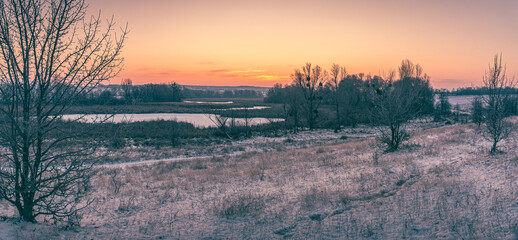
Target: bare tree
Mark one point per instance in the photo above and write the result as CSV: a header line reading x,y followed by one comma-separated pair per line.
x,y
127,88
409,70
291,106
247,121
49,54
442,108
497,84
352,99
394,103
222,123
310,80
338,73
390,111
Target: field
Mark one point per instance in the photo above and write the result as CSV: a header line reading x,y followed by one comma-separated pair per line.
x,y
442,185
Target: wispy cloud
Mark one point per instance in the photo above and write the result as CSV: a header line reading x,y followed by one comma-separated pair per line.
x,y
239,72
165,73
257,74
216,71
273,77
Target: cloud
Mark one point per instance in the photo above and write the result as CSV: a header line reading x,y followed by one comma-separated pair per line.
x,y
216,71
253,74
237,73
272,77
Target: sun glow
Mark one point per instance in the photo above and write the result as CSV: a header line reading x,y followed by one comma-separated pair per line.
x,y
261,42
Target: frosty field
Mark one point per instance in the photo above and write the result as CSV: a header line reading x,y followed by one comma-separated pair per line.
x,y
443,184
258,120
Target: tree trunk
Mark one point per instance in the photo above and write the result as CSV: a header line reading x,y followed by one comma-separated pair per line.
x,y
493,148
27,214
337,117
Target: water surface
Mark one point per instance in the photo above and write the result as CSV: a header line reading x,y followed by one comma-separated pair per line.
x,y
197,119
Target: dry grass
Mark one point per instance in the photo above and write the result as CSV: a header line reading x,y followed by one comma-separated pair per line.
x,y
238,206
442,185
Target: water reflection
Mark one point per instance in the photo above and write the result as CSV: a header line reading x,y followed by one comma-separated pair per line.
x,y
197,119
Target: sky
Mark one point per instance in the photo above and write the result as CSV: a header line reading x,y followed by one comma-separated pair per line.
x,y
261,42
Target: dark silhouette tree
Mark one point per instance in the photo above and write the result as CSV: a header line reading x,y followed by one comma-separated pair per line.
x,y
498,85
309,80
351,98
442,108
127,90
49,55
337,74
394,103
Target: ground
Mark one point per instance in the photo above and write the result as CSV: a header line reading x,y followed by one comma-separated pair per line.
x,y
443,184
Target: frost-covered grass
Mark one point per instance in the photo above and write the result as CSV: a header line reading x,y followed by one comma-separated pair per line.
x,y
443,184
203,146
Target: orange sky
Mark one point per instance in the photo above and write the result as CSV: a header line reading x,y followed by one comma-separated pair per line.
x,y
260,42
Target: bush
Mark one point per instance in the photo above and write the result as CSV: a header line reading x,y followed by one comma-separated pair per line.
x,y
314,197
477,111
442,108
239,206
116,143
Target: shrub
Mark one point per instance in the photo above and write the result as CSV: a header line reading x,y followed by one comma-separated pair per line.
x,y
239,206
314,197
477,111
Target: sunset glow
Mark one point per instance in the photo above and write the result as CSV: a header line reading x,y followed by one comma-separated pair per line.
x,y
260,42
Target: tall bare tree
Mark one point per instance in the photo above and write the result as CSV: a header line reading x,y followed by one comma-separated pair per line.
x,y
310,80
49,54
338,73
498,85
352,99
127,88
442,107
409,70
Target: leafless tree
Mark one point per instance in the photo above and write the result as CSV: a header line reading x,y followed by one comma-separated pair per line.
x,y
222,123
49,54
310,80
442,107
338,73
395,103
497,84
390,111
247,121
352,99
127,87
291,107
409,70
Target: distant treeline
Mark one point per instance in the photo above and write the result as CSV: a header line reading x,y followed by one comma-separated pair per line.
x,y
317,98
475,91
191,93
127,93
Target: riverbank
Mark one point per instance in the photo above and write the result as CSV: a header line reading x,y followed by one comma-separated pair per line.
x,y
129,142
230,107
